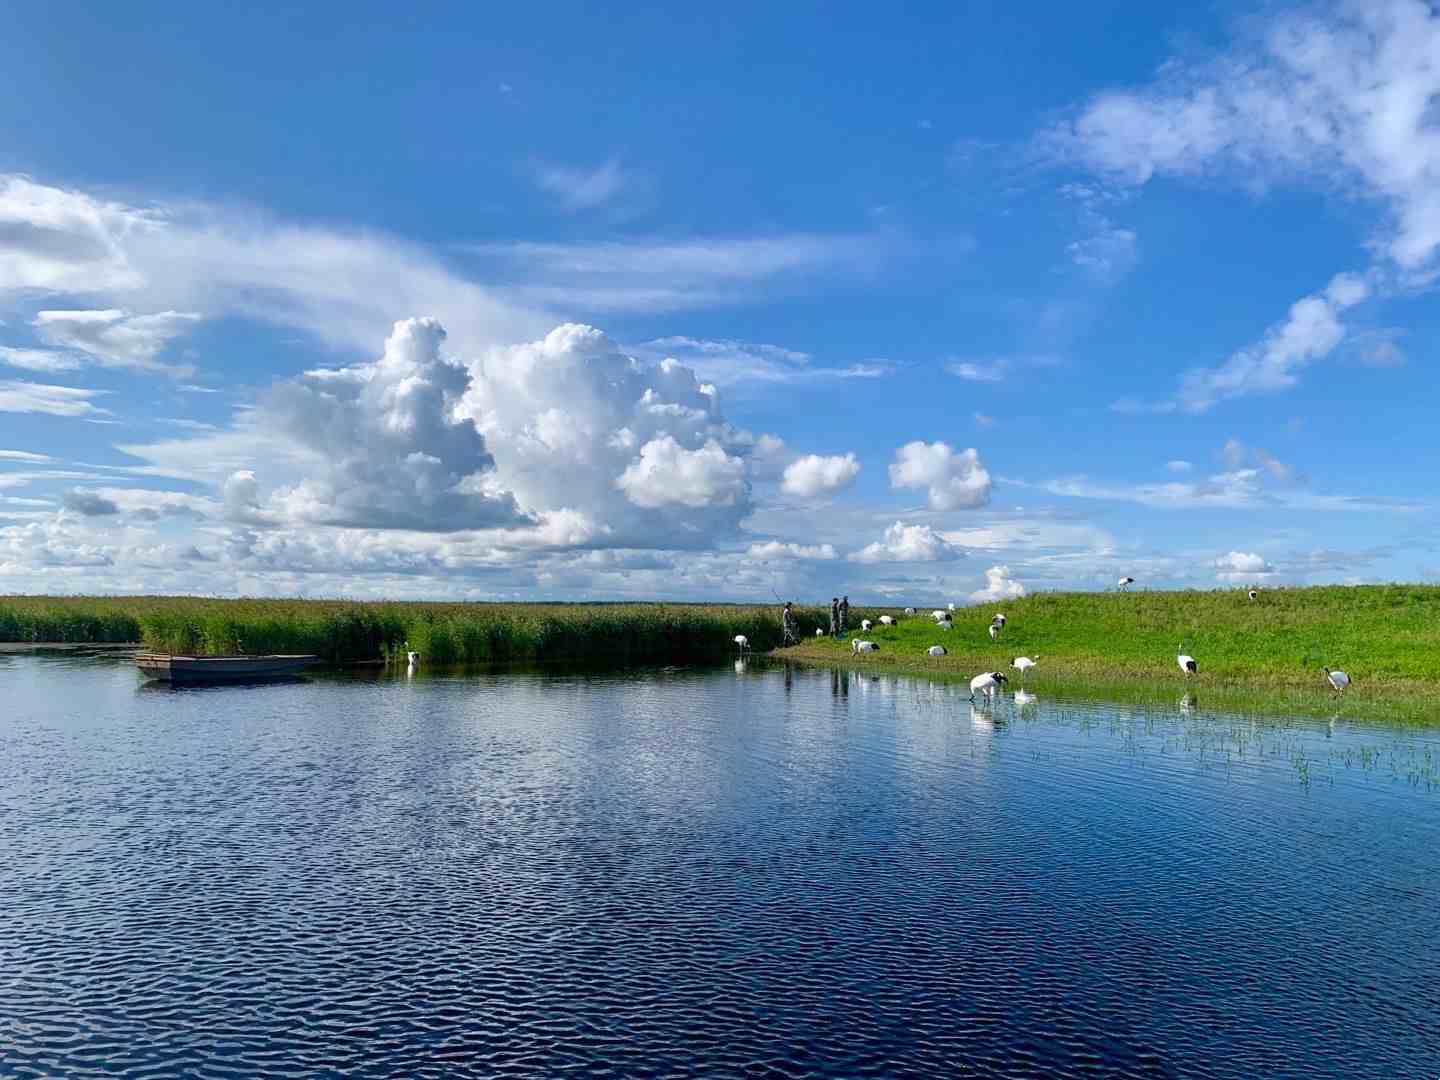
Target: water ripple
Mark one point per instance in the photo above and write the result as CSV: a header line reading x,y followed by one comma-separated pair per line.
x,y
755,873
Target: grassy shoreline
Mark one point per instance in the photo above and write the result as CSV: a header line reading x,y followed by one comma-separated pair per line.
x,y
1410,704
1265,654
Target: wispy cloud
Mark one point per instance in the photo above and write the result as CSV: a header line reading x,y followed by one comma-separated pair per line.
x,y
59,241
47,360
1340,94
585,189
187,424
26,478
1311,330
998,368
116,338
17,396
1240,489
726,363
1105,249
670,275
1376,348
347,287
971,371
1336,95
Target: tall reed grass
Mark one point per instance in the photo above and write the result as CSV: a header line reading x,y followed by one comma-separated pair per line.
x,y
343,631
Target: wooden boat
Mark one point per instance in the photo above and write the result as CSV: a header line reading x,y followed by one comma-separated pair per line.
x,y
216,669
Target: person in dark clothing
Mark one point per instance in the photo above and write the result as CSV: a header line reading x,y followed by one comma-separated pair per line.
x,y
788,631
844,613
834,616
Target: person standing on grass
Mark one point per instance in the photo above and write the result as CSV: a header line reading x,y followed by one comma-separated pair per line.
x,y
788,632
834,616
844,613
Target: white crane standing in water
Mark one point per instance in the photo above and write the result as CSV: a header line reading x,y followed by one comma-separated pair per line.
x,y
1023,664
1338,680
987,683
1186,661
742,642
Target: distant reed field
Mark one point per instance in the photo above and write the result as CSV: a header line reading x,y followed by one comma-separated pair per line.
x,y
344,631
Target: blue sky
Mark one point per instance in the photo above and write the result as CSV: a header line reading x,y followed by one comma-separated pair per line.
x,y
555,302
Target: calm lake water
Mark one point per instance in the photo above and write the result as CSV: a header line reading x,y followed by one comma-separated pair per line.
x,y
758,872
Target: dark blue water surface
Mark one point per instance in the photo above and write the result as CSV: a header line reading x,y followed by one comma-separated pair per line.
x,y
755,873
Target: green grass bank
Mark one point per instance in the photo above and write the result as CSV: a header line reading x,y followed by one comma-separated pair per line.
x,y
1269,651
347,632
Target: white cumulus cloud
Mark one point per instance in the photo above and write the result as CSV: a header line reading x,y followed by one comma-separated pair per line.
x,y
953,480
574,422
561,441
999,585
815,474
391,450
666,473
1239,566
907,543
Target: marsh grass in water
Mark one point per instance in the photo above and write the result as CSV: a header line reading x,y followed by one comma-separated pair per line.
x,y
343,631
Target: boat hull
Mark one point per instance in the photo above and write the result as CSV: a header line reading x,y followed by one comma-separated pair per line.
x,y
219,669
